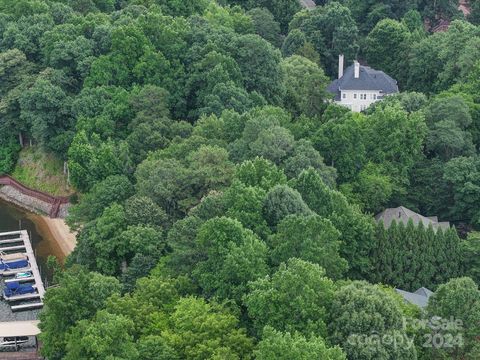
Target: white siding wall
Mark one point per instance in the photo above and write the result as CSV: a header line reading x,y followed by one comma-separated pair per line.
x,y
358,100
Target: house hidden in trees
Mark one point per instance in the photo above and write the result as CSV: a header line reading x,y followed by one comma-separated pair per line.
x,y
308,4
360,86
403,215
419,297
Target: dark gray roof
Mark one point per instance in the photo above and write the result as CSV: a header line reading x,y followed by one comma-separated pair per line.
x,y
369,79
424,292
308,4
419,297
402,214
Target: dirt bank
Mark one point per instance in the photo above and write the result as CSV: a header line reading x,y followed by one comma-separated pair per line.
x,y
58,231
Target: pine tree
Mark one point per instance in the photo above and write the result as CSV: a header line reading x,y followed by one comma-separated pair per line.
x,y
380,256
441,257
410,255
452,265
423,258
396,235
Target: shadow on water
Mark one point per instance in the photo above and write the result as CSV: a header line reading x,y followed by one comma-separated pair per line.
x,y
13,219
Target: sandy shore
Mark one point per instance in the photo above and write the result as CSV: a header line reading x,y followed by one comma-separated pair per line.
x,y
60,242
57,230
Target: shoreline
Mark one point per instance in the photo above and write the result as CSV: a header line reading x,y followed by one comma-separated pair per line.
x,y
56,230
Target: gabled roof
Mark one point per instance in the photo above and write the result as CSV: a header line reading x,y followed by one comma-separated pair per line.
x,y
402,214
369,79
424,292
308,4
419,297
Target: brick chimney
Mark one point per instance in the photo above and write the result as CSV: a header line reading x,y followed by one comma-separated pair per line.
x,y
341,59
357,69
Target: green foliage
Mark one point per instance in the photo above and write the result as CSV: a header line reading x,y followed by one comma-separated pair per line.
x,y
141,210
461,175
469,250
42,170
260,172
295,298
175,186
45,107
356,229
103,194
394,139
340,141
65,305
259,63
110,333
93,160
208,159
233,256
282,10
331,30
410,257
373,188
182,239
282,201
105,244
474,16
309,238
8,157
303,157
305,86
387,46
199,330
434,61
245,204
294,41
448,119
177,7
285,346
458,299
265,25
362,309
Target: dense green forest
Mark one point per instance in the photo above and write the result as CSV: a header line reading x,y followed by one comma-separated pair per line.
x,y
225,205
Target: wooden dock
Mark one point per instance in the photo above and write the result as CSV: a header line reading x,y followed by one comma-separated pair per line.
x,y
22,237
15,271
24,279
10,241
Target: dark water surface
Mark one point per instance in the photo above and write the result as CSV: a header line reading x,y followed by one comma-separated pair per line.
x,y
13,219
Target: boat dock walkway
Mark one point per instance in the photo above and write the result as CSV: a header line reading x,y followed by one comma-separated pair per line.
x,y
25,246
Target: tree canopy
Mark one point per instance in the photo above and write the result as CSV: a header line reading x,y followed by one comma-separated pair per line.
x,y
223,201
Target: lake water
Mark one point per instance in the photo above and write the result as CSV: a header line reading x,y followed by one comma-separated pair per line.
x,y
13,219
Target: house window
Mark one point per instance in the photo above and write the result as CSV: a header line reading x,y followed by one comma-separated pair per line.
x,y
354,96
374,96
364,96
344,96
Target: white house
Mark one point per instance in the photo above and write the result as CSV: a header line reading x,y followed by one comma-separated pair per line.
x,y
360,86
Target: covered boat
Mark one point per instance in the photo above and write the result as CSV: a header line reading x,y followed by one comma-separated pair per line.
x,y
15,288
17,264
12,257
